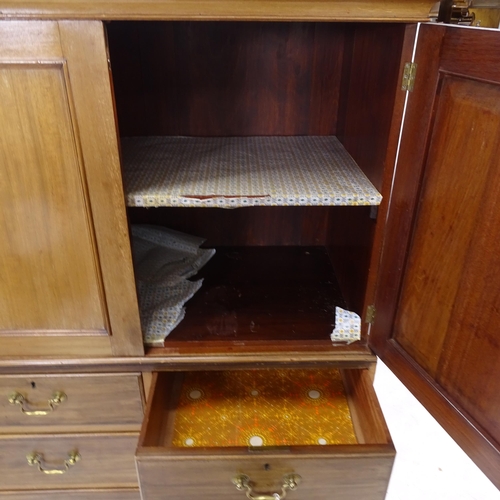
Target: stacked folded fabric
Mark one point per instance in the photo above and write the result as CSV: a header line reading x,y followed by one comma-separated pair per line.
x,y
164,260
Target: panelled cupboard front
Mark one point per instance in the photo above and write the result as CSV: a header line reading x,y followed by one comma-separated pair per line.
x,y
420,269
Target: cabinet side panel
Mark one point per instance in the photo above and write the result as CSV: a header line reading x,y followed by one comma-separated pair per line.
x,y
48,265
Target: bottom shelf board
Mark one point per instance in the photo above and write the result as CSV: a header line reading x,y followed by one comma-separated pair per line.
x,y
260,295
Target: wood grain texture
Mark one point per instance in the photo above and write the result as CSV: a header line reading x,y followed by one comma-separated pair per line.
x,y
87,494
226,79
446,229
262,294
351,470
252,226
349,477
365,127
339,10
366,413
44,214
66,265
94,402
210,355
84,45
438,330
107,460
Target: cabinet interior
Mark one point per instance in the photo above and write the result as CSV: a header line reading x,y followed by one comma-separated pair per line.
x,y
243,79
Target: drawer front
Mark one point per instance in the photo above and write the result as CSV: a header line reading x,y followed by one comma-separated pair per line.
x,y
105,460
115,494
42,403
342,478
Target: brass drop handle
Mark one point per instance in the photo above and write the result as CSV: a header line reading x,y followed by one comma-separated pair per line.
x,y
243,483
38,460
30,409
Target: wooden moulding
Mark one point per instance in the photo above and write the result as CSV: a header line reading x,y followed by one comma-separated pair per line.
x,y
338,10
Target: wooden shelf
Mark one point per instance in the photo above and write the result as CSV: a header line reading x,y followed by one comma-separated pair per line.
x,y
262,294
232,172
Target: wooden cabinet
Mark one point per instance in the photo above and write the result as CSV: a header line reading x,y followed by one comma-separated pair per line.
x,y
420,269
66,288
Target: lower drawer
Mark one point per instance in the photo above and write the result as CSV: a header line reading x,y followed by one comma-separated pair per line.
x,y
112,494
104,461
306,434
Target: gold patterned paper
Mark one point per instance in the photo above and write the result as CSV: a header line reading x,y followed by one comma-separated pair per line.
x,y
262,408
231,172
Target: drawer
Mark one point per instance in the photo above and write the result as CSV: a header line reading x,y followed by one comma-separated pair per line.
x,y
89,402
206,432
105,461
111,494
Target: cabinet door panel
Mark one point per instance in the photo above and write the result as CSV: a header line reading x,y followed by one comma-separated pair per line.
x,y
50,281
439,294
56,291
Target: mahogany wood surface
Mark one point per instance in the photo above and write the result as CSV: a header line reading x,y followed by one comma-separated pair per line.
x,y
67,279
340,10
263,293
439,329
107,460
83,494
84,44
370,79
93,402
226,79
44,218
252,226
370,426
361,470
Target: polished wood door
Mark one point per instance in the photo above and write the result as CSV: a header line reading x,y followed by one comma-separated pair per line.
x,y
438,298
66,283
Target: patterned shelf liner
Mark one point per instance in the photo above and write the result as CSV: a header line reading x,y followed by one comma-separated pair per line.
x,y
283,407
231,172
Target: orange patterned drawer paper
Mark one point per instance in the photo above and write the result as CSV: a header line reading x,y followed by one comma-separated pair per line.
x,y
263,408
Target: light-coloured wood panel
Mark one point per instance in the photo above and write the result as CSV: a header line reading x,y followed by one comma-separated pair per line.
x,y
84,46
47,258
39,40
323,478
44,345
339,10
67,286
93,402
107,460
91,494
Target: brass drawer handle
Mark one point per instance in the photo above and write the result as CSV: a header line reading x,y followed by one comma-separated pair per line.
x,y
243,482
38,460
29,409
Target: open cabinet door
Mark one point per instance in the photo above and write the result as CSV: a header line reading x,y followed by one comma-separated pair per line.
x,y
438,298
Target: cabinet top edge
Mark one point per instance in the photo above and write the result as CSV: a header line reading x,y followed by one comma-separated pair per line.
x,y
219,10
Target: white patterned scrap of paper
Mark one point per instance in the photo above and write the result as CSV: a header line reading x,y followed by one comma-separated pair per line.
x,y
347,326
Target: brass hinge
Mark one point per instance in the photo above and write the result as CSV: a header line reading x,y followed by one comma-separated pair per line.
x,y
409,77
370,315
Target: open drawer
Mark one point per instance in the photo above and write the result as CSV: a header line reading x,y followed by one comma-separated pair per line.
x,y
301,433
